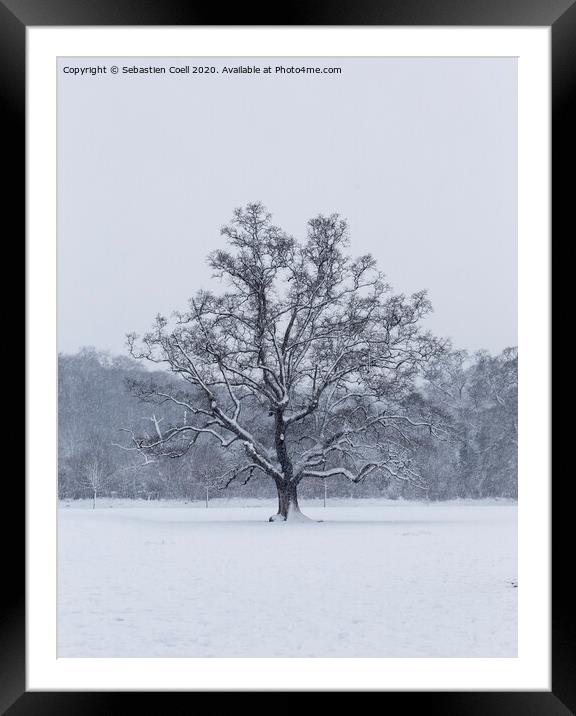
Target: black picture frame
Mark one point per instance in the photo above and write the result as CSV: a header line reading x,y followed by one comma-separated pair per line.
x,y
15,17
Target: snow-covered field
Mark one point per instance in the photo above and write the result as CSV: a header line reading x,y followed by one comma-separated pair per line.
x,y
375,578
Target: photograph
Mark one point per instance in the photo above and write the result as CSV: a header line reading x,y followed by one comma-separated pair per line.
x,y
287,327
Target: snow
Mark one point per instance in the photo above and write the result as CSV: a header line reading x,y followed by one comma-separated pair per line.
x,y
293,515
373,578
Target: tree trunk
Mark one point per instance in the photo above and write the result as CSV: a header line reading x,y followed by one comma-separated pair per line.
x,y
287,504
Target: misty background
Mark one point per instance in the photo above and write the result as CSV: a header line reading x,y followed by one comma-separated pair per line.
x,y
419,154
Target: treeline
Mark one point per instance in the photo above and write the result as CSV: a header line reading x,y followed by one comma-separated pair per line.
x,y
471,398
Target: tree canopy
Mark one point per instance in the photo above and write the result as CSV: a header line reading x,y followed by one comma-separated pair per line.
x,y
303,363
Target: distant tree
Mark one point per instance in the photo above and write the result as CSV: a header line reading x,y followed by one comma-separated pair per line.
x,y
494,396
94,476
95,468
477,396
303,363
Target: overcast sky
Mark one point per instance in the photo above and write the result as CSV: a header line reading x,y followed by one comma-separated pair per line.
x,y
418,154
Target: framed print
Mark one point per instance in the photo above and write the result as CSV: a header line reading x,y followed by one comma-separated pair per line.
x,y
288,411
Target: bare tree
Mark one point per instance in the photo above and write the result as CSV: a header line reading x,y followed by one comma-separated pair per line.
x,y
94,476
302,363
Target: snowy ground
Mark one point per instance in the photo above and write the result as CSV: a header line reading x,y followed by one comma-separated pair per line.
x,y
376,578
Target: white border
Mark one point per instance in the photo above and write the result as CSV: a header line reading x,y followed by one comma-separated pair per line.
x,y
531,670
